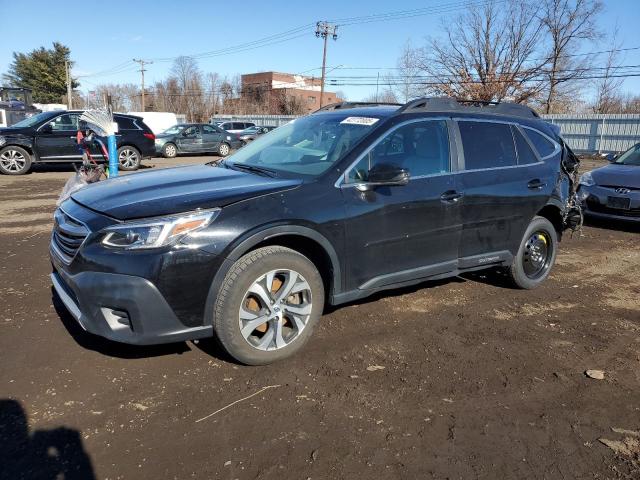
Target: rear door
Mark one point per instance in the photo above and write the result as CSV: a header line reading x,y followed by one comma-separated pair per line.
x,y
504,183
60,142
399,233
211,138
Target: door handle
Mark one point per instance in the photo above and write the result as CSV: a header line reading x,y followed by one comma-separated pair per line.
x,y
535,184
450,196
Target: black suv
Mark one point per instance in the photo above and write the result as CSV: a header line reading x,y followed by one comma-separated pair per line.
x,y
329,208
51,137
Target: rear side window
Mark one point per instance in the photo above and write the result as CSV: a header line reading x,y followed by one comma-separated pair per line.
x,y
544,146
487,145
238,126
125,123
525,153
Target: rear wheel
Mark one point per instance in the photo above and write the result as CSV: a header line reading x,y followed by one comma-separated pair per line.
x,y
169,150
268,305
224,149
536,255
129,158
14,160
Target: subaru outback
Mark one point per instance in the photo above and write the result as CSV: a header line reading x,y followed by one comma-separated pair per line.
x,y
330,208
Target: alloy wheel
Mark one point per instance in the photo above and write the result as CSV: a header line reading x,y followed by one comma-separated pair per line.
x,y
128,158
170,151
275,310
224,149
537,254
12,160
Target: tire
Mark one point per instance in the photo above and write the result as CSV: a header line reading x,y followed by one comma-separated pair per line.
x,y
169,150
129,158
270,330
14,160
224,149
536,255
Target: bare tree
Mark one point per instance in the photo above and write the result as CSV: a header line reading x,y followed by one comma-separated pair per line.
x,y
487,55
405,82
388,95
608,95
567,24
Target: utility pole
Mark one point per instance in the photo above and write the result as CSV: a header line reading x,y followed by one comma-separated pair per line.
x,y
67,73
323,30
142,70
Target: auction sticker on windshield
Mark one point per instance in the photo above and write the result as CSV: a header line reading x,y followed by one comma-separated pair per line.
x,y
359,121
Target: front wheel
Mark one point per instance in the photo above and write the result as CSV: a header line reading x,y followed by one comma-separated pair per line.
x,y
536,255
129,158
268,305
224,149
14,160
169,150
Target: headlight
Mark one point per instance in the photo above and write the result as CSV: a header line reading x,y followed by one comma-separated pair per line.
x,y
587,180
2,140
156,233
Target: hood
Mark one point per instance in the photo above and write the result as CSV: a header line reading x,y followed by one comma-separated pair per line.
x,y
175,190
10,131
617,175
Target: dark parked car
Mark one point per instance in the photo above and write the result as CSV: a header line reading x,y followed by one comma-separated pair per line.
x,y
196,138
613,191
234,127
51,137
329,208
250,134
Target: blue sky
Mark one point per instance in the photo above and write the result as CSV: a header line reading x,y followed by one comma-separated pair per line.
x,y
103,35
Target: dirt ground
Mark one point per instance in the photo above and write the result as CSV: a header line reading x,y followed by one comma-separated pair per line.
x,y
458,379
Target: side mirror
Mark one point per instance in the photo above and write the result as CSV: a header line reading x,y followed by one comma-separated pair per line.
x,y
46,128
387,174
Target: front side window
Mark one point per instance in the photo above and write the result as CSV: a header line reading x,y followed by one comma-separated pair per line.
x,y
209,129
307,146
421,147
66,122
487,145
192,131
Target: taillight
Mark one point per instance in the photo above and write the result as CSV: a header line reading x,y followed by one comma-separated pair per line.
x,y
150,136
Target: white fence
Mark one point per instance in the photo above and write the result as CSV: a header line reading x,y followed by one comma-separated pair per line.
x,y
587,133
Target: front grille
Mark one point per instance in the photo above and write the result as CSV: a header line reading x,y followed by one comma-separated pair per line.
x,y
68,235
599,208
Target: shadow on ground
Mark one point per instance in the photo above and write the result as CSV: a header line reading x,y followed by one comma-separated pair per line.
x,y
40,454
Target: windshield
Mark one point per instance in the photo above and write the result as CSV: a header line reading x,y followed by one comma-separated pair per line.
x,y
31,121
307,146
175,129
630,157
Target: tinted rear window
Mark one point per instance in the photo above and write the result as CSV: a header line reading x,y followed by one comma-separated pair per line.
x,y
125,123
525,152
544,146
487,145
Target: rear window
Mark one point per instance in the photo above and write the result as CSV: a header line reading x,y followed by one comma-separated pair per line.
x,y
526,155
487,145
125,123
542,144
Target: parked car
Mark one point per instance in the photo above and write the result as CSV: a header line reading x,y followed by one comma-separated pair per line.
x,y
251,133
329,208
50,137
613,191
234,127
196,138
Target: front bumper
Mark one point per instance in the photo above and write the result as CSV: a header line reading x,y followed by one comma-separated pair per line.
x,y
122,308
595,203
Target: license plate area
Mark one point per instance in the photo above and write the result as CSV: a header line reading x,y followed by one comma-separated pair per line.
x,y
619,203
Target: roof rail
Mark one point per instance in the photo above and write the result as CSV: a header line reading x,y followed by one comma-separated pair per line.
x,y
439,104
343,105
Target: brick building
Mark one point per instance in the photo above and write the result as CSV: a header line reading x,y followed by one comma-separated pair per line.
x,y
276,89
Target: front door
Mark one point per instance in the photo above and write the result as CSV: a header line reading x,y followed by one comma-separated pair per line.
x,y
56,140
399,233
190,140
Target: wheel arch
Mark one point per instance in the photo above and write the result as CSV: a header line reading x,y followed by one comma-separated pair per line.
x,y
553,212
304,240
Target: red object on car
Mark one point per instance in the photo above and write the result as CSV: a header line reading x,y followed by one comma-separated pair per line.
x,y
150,135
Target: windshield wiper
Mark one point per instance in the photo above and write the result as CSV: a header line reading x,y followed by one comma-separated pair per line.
x,y
252,168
